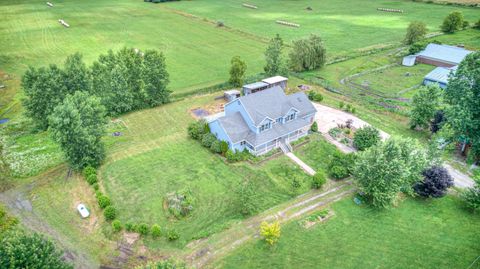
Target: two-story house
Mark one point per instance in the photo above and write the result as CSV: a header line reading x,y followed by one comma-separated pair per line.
x,y
264,120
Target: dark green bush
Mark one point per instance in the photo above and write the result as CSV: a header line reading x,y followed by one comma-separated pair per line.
x,y
92,179
103,201
197,129
172,235
223,147
216,147
110,213
341,165
95,186
156,231
130,227
471,197
89,170
143,229
98,193
319,179
315,96
116,226
314,127
208,139
339,172
366,137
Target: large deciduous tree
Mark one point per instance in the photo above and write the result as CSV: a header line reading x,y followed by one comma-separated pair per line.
x,y
453,22
463,98
384,170
307,54
78,125
21,250
275,64
237,71
156,78
416,31
425,103
77,75
436,181
44,89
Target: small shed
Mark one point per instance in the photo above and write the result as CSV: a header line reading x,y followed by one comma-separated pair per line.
x,y
409,60
231,95
439,76
276,81
254,87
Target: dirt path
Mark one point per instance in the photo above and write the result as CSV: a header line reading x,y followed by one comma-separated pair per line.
x,y
205,252
16,200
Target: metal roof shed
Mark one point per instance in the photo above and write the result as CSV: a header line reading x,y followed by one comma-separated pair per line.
x,y
439,75
275,80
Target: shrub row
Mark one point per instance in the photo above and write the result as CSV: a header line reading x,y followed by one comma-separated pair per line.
x,y
104,202
144,229
348,107
200,131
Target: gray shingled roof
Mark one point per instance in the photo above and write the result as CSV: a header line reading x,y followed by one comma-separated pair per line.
x,y
277,130
235,126
274,103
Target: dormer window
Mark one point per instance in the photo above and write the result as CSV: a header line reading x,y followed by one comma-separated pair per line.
x,y
265,126
290,117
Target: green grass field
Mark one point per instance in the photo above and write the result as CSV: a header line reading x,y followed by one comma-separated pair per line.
x,y
393,81
155,157
416,234
342,24
198,53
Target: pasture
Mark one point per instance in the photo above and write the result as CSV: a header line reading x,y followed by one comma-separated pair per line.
x,y
344,25
393,81
417,234
198,52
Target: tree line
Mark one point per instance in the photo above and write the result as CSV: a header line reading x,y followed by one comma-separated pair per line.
x,y
306,54
74,101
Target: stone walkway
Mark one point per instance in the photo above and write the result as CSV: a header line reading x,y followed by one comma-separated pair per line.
x,y
460,179
303,165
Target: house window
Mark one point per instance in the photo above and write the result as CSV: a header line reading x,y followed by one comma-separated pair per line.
x,y
290,117
242,143
265,127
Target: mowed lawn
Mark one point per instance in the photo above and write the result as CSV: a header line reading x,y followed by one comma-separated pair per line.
x,y
198,52
416,234
393,81
155,157
344,25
